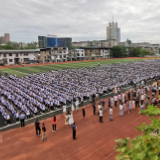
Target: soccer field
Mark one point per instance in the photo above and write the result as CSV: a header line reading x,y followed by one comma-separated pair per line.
x,y
23,71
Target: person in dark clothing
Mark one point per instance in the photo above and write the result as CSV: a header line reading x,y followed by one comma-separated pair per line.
x,y
137,101
83,112
74,131
44,133
93,98
103,104
38,129
94,109
22,117
129,96
109,103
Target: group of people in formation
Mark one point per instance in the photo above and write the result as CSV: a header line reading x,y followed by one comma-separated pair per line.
x,y
139,97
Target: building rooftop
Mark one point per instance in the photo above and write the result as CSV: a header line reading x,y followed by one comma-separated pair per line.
x,y
28,50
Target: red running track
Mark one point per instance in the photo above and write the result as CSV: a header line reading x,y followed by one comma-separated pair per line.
x,y
95,141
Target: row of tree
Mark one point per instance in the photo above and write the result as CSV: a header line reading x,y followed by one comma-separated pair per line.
x,y
121,51
15,46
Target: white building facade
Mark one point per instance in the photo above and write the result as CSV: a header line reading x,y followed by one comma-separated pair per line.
x,y
13,57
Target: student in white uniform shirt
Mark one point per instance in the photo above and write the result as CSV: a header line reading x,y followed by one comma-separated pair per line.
x,y
111,114
17,116
121,109
28,113
77,104
101,115
115,100
142,98
99,107
64,109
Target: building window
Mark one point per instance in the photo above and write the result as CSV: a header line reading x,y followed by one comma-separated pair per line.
x,y
16,54
25,54
4,55
44,57
82,54
10,54
10,60
21,54
60,56
64,56
38,57
25,59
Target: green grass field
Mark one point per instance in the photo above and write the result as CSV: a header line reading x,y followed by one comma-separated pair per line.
x,y
23,71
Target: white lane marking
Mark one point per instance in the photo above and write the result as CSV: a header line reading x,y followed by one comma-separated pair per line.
x,y
19,72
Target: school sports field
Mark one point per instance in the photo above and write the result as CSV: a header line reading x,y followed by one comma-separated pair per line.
x,y
36,68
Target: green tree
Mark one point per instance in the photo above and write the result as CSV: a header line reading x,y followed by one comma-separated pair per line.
x,y
145,146
129,42
135,52
118,52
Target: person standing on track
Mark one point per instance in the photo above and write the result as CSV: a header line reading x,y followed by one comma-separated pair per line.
x,y
54,122
22,118
101,115
109,103
38,129
83,112
121,109
64,109
115,101
44,133
74,131
103,105
111,114
94,109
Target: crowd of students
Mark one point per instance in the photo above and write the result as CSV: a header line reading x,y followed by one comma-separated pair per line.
x,y
38,92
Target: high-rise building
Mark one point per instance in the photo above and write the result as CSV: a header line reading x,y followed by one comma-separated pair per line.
x,y
7,37
2,39
47,42
113,32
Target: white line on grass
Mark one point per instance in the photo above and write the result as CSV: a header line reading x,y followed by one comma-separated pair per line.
x,y
19,72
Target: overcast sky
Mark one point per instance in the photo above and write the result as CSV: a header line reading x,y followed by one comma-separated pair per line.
x,y
139,20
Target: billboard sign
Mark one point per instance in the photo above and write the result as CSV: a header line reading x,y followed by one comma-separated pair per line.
x,y
51,35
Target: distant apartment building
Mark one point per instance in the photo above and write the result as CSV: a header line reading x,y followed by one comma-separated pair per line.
x,y
76,54
7,37
96,43
96,52
12,57
2,40
54,54
47,42
113,32
143,45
